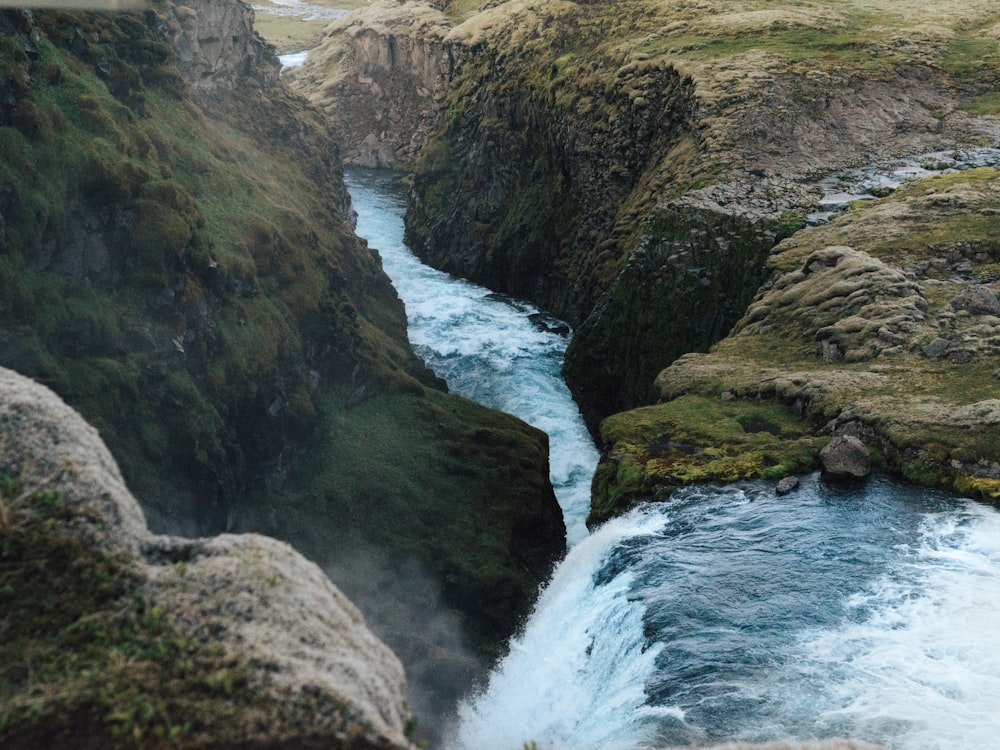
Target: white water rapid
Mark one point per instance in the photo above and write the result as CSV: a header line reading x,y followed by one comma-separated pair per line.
x,y
728,613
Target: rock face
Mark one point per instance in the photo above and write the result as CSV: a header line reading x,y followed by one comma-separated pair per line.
x,y
177,262
216,46
248,618
379,76
845,457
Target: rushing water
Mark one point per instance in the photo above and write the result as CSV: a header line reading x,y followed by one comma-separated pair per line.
x,y
489,348
729,613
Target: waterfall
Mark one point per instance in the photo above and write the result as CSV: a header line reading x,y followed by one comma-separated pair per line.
x,y
728,613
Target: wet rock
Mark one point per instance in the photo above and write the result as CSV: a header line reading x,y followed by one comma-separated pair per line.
x,y
845,457
786,485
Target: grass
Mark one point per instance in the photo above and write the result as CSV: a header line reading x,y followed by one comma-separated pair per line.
x,y
694,439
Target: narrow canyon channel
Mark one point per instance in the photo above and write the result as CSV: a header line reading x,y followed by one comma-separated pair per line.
x,y
728,613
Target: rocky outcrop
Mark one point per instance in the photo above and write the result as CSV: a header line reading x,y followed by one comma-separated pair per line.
x,y
216,46
379,76
874,330
235,641
177,262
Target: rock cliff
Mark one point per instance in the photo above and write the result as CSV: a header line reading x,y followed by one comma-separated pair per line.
x,y
628,166
379,76
115,637
882,326
177,262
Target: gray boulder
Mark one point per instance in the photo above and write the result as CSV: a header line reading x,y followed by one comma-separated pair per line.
x,y
845,457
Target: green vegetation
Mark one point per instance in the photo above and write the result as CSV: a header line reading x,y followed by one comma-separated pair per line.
x,y
696,439
455,487
84,653
933,421
689,281
201,314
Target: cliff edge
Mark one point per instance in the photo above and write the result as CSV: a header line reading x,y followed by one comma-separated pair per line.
x,y
116,637
177,262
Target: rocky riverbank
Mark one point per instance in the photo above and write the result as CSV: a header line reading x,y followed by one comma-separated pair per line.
x,y
631,166
883,325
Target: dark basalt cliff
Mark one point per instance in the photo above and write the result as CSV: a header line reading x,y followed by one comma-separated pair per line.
x,y
177,262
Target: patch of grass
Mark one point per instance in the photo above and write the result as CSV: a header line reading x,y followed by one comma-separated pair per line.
x,y
984,104
697,439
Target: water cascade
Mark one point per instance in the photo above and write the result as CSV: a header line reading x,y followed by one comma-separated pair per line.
x,y
728,613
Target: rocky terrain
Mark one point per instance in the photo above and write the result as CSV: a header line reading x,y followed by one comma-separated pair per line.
x,y
628,166
882,325
633,168
177,262
128,639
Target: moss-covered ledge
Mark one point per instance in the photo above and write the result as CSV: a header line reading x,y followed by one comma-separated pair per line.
x,y
692,439
883,324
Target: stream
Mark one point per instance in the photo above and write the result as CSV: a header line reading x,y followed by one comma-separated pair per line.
x,y
729,613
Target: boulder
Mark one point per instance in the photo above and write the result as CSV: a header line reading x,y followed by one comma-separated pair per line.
x,y
978,300
845,457
786,485
232,641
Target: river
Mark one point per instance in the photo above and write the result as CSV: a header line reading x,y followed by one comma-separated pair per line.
x,y
728,613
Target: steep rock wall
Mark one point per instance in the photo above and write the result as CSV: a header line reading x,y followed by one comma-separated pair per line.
x,y
177,262
378,76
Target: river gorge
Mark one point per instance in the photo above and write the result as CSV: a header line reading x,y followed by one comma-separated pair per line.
x,y
728,613
269,481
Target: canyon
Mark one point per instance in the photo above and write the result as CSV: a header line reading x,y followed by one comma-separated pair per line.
x,y
178,264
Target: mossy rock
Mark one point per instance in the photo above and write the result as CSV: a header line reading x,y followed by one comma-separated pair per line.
x,y
117,638
694,439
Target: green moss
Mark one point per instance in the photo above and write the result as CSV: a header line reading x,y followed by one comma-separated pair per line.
x,y
682,290
984,104
697,439
455,489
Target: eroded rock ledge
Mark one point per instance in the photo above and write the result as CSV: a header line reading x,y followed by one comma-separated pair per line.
x,y
882,325
131,639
